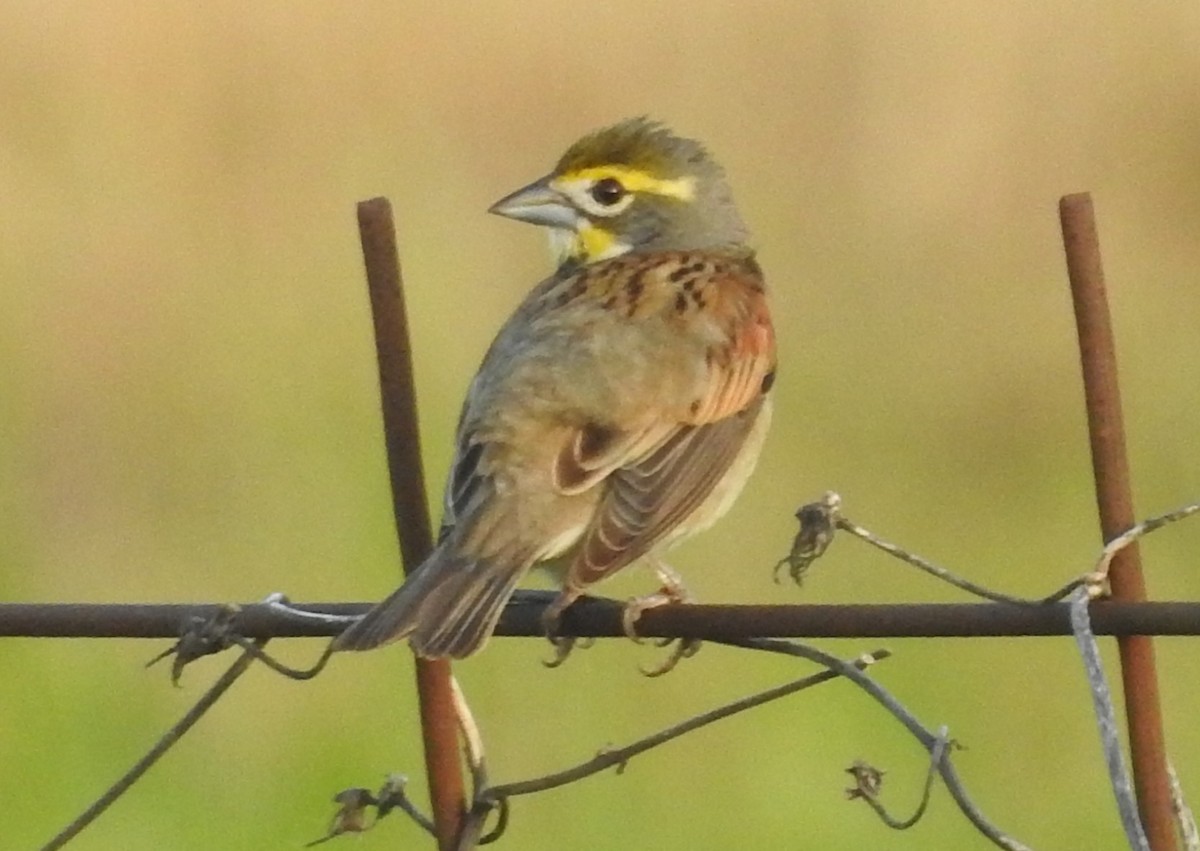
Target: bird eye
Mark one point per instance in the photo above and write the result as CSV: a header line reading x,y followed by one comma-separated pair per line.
x,y
608,191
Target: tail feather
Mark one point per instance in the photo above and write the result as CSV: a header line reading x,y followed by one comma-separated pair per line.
x,y
468,627
447,607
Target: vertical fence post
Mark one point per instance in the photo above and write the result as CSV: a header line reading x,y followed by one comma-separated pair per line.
x,y
393,350
1110,466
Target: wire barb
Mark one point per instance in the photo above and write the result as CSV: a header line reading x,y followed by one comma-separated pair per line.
x,y
818,523
926,737
199,638
353,804
868,784
820,520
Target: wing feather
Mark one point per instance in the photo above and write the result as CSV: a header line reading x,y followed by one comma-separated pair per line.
x,y
644,501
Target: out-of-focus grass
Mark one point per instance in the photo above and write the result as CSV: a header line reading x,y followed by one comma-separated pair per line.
x,y
188,411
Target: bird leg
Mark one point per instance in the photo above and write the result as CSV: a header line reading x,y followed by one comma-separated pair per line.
x,y
672,591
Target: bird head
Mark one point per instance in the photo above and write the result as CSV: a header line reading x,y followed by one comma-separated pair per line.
x,y
635,186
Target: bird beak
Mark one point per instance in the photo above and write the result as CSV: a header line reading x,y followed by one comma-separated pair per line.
x,y
539,204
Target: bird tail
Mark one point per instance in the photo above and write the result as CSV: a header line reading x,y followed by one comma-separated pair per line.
x,y
448,607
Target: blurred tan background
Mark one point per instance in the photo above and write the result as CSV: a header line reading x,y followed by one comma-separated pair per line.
x,y
188,407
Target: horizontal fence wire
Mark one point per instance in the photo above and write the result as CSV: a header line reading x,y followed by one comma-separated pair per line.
x,y
602,618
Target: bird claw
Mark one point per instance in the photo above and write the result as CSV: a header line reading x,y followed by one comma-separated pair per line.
x,y
685,648
673,591
563,646
562,649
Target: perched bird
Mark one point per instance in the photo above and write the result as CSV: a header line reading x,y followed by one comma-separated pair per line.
x,y
619,409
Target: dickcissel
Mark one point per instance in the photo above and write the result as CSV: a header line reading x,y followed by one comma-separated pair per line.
x,y
622,406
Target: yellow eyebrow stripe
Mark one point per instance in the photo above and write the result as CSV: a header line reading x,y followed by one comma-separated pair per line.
x,y
682,188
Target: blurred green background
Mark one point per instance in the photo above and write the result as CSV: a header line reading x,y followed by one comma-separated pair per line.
x,y
188,408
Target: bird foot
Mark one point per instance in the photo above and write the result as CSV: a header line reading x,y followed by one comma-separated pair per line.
x,y
673,591
563,646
